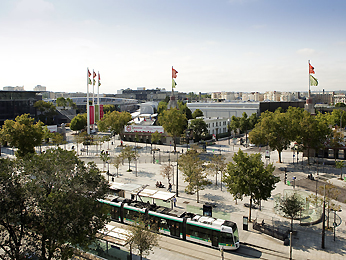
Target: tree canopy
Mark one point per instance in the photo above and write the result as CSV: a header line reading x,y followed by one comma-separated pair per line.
x,y
197,113
194,172
199,128
247,176
79,122
22,134
115,122
56,204
174,122
291,206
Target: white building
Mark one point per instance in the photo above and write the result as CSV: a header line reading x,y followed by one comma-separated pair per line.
x,y
40,88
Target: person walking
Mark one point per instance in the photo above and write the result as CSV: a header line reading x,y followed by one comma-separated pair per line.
x,y
169,187
174,201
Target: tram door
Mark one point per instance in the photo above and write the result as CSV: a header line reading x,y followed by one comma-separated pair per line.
x,y
174,228
215,239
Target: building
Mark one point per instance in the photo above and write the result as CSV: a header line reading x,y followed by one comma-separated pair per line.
x,y
216,125
143,94
40,88
17,88
340,98
16,103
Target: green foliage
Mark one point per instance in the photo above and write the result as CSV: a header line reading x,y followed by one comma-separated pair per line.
x,y
142,236
340,104
162,107
174,123
234,125
22,134
340,165
61,102
59,193
47,111
216,165
185,110
79,122
193,171
199,128
274,129
247,176
197,113
108,108
291,206
57,139
115,122
129,154
155,137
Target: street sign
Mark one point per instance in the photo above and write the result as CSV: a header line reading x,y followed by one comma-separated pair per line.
x,y
288,183
267,154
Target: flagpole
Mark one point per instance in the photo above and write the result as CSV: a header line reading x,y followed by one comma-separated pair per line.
x,y
88,111
98,95
94,98
309,77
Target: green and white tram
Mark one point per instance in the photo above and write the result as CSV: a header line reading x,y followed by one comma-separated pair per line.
x,y
192,227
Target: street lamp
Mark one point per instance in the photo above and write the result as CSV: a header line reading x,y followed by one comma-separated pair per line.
x,y
177,176
229,135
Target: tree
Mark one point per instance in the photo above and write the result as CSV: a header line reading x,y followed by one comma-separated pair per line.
x,y
167,172
129,154
336,141
247,176
291,206
115,122
340,165
22,134
174,123
61,102
108,108
216,165
142,236
340,104
117,162
61,204
47,111
79,122
306,130
199,128
193,171
14,218
273,129
185,110
70,103
104,156
234,124
244,125
162,107
57,139
197,113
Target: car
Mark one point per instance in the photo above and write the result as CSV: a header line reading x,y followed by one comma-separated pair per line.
x,y
252,145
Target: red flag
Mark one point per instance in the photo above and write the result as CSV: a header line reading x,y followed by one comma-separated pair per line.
x,y
99,77
94,74
311,69
174,73
89,74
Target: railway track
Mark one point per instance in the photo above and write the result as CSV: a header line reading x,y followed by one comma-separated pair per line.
x,y
197,251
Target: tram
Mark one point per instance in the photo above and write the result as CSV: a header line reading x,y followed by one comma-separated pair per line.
x,y
213,232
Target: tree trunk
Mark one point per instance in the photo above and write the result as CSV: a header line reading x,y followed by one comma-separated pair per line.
x,y
250,208
292,224
279,153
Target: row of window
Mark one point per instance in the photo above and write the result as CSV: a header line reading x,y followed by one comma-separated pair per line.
x,y
217,124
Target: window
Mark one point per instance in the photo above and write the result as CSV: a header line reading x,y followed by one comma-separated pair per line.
x,y
216,123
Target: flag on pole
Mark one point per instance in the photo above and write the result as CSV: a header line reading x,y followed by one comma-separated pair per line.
x,y
94,74
173,83
313,81
89,81
311,69
94,82
99,80
89,74
174,73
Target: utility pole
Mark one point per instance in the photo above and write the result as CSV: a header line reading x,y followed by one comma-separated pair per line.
x,y
324,217
290,245
177,176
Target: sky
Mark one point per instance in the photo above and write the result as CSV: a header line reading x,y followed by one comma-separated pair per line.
x,y
215,45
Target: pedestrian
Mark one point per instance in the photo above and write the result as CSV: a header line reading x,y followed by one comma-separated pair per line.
x,y
169,187
174,201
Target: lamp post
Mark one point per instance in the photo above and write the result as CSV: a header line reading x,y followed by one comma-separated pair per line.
x,y
177,176
108,170
229,135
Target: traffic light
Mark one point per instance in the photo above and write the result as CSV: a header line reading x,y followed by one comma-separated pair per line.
x,y
285,175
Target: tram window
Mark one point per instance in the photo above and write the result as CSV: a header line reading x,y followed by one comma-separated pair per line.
x,y
164,224
115,213
226,238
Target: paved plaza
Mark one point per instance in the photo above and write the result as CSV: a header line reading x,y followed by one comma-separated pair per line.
x,y
306,242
